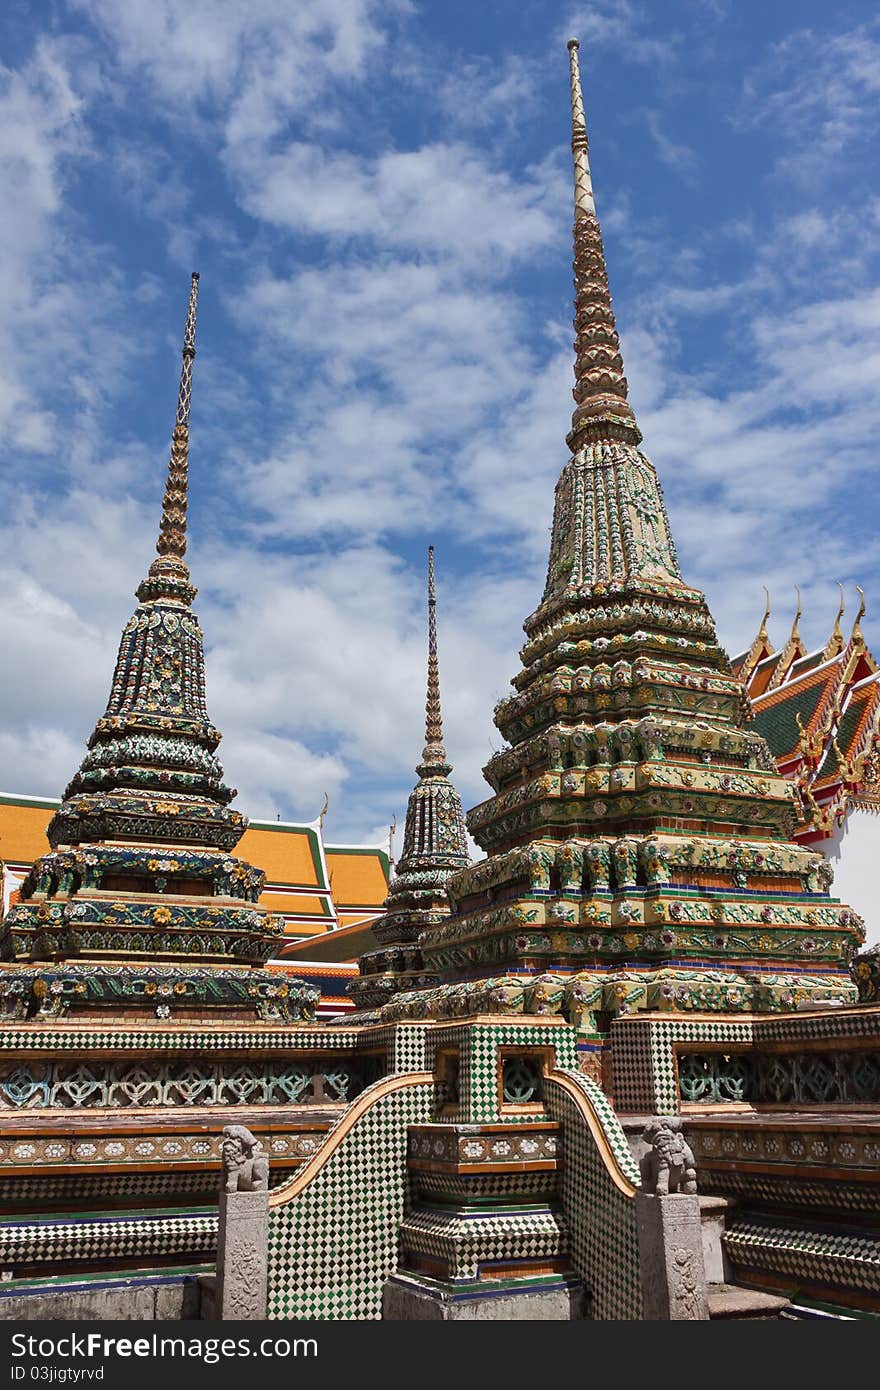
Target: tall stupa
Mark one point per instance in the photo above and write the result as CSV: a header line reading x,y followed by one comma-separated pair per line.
x,y
639,836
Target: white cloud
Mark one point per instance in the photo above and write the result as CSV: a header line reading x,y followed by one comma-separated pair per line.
x,y
391,379
621,25
442,199
818,90
259,61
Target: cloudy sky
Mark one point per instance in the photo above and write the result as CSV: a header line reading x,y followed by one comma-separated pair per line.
x,y
377,196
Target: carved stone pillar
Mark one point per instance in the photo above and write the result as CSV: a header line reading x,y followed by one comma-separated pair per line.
x,y
242,1256
671,1257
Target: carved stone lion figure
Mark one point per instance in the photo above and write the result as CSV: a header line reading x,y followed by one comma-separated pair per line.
x,y
669,1164
245,1162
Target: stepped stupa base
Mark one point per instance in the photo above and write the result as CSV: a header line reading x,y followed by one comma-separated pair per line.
x,y
107,992
590,999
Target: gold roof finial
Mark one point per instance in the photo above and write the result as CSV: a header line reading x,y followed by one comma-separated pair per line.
x,y
836,632
836,641
762,630
169,574
856,634
433,754
795,630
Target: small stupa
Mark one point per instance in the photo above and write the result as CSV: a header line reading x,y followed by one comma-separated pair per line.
x,y
434,847
141,907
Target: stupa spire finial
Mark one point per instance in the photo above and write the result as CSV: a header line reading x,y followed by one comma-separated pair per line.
x,y
434,753
169,575
603,412
580,145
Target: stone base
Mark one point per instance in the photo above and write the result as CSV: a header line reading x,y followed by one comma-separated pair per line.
x,y
671,1257
134,1299
242,1256
407,1298
730,1303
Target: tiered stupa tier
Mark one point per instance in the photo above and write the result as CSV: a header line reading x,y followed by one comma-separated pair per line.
x,y
141,904
434,847
639,838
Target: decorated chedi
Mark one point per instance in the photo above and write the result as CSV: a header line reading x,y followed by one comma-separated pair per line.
x,y
639,839
434,847
140,904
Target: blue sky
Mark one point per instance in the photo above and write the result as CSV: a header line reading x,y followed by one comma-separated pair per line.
x,y
378,198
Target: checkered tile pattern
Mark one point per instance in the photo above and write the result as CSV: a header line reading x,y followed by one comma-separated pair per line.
x,y
130,1188
642,1057
601,1219
107,1238
782,1192
862,1022
408,1048
464,1240
174,1039
332,1247
478,1045
480,1186
841,1259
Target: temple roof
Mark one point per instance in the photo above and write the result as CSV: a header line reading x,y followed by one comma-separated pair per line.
x,y
820,714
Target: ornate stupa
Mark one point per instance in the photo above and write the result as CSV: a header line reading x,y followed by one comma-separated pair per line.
x,y
434,847
141,904
639,838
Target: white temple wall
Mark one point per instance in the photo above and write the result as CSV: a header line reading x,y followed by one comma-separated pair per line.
x,y
854,850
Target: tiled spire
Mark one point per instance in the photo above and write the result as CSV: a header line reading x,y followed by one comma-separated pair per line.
x,y
609,524
639,830
434,846
603,411
169,575
141,865
434,762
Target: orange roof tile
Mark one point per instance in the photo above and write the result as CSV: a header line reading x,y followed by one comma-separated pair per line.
x,y
358,876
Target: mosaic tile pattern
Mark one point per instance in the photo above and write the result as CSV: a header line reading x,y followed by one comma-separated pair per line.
x,y
95,1084
332,1247
784,1192
478,1045
838,1148
113,1149
601,1219
463,1242
642,1047
85,1238
119,1187
863,1022
839,1258
642,1051
408,1047
173,1038
447,1144
470,1187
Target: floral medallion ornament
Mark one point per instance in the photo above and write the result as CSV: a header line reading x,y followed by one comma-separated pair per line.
x,y
631,799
